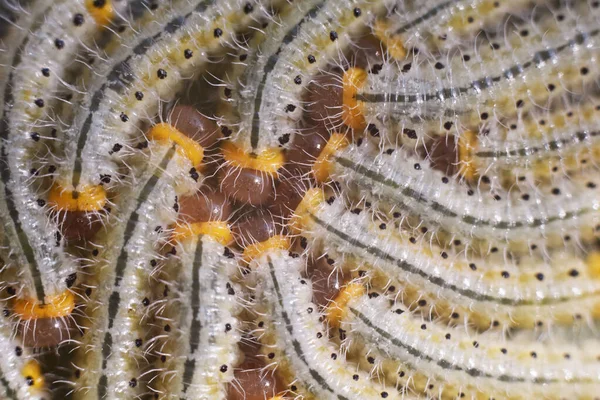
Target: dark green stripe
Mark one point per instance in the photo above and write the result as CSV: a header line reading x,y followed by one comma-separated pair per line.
x,y
474,372
553,145
12,395
120,77
190,363
296,345
436,280
468,219
515,71
115,298
6,178
432,12
271,62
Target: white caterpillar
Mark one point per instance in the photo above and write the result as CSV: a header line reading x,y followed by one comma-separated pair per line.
x,y
505,365
320,40
444,24
401,178
16,361
202,348
246,85
127,253
553,133
359,238
28,96
155,72
315,362
428,98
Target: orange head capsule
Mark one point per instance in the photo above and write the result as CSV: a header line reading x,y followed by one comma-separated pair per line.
x,y
322,167
394,45
312,200
337,308
352,109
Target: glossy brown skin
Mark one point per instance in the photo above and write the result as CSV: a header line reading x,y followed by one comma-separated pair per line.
x,y
324,101
203,206
247,186
253,382
305,150
45,332
77,226
193,124
443,154
326,281
366,52
289,194
256,227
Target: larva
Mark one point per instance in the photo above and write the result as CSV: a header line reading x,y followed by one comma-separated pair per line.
x,y
540,135
203,367
221,182
245,86
161,63
399,178
316,363
441,25
320,39
110,63
16,20
392,98
357,236
130,254
508,365
24,117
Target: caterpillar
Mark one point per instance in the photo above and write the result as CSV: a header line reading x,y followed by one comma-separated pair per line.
x,y
326,33
358,236
324,377
442,103
210,327
21,375
24,118
413,191
272,199
127,254
363,318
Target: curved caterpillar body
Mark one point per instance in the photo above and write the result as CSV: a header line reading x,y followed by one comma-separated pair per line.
x,y
399,174
91,357
324,199
429,93
293,308
248,88
547,372
210,327
27,124
298,58
505,297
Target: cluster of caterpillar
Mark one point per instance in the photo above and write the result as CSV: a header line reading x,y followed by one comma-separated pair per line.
x,y
274,199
